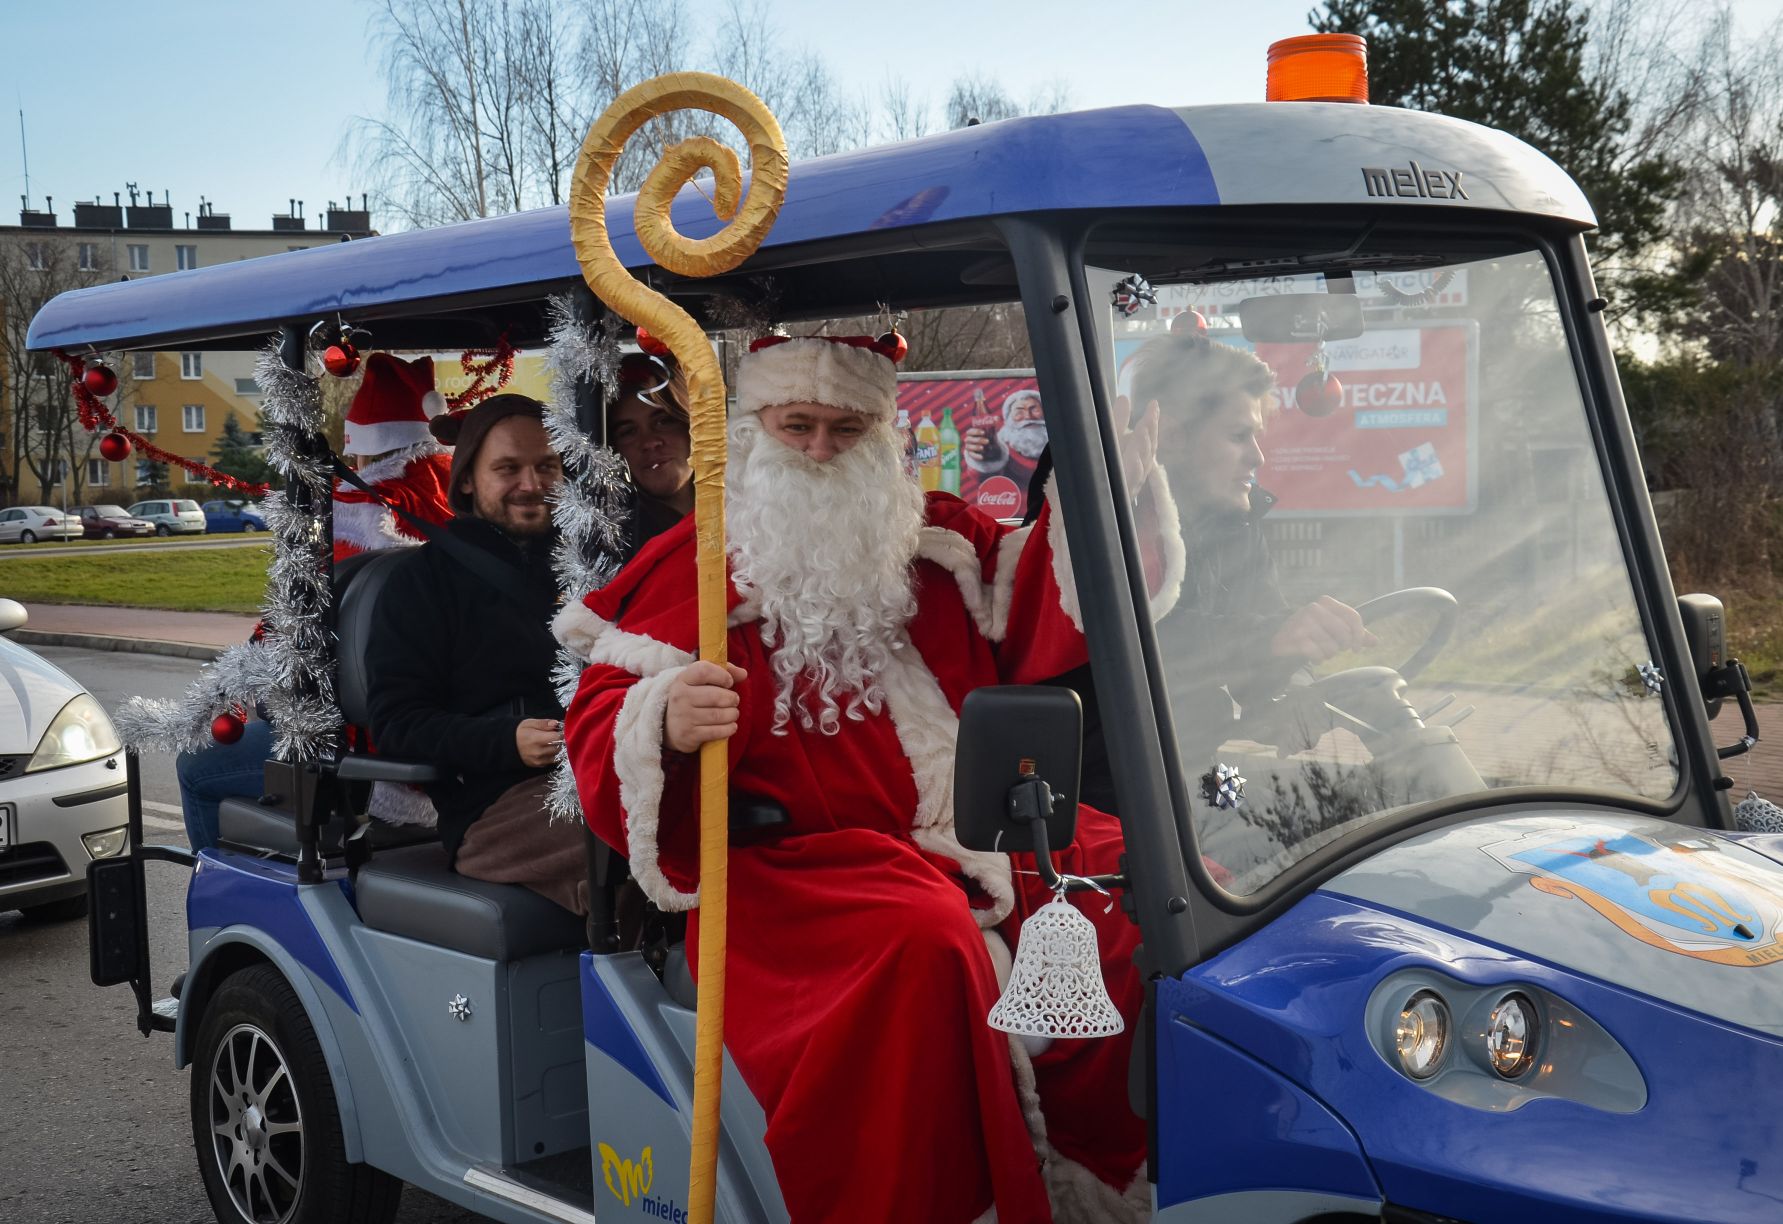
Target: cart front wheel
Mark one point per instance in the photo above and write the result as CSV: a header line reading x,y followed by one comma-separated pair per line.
x,y
264,1118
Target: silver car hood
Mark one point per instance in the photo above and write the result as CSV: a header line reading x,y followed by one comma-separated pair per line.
x,y
32,692
1674,912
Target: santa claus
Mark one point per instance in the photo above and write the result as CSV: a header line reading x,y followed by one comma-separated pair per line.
x,y
397,456
1014,448
865,940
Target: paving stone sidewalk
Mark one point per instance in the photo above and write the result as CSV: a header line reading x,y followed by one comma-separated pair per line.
x,y
197,635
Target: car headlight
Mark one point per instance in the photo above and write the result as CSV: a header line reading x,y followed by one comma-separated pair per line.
x,y
81,732
1421,1034
1511,1036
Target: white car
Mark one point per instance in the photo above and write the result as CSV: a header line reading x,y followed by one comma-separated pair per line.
x,y
171,515
29,524
63,799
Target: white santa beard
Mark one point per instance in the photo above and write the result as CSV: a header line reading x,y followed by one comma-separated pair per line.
x,y
824,550
1025,438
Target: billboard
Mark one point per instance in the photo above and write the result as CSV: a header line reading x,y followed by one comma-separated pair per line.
x,y
998,434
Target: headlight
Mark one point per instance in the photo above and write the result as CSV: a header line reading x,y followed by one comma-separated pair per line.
x,y
1511,1036
106,844
1421,1035
81,732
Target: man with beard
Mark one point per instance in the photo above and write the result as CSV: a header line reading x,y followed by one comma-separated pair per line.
x,y
1015,448
866,941
460,655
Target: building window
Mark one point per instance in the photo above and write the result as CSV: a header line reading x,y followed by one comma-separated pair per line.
x,y
58,471
139,257
38,255
246,386
142,366
192,418
145,419
191,365
145,472
89,257
98,473
187,256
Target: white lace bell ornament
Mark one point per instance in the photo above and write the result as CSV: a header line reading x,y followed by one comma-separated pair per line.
x,y
1056,987
1756,815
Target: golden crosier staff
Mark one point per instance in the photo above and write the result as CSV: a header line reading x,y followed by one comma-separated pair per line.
x,y
626,296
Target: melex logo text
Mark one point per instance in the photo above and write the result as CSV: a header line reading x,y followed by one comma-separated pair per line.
x,y
629,1181
1415,181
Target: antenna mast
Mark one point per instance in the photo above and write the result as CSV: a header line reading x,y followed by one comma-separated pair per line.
x,y
25,153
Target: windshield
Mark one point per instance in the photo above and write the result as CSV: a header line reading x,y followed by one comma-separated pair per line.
x,y
110,511
1400,578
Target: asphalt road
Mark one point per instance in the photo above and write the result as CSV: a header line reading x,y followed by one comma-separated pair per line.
x,y
94,1123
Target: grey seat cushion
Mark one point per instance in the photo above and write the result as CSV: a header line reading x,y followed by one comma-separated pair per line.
x,y
245,824
412,892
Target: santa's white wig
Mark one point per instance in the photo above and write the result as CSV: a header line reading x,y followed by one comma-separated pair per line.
x,y
823,551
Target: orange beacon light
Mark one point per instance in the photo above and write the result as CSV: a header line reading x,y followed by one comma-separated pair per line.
x,y
1319,68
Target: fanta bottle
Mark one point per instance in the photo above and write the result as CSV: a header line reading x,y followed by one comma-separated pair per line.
x,y
928,453
950,454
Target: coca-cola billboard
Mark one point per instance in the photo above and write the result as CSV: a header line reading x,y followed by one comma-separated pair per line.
x,y
997,414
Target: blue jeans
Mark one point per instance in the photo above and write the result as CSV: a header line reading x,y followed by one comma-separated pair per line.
x,y
220,772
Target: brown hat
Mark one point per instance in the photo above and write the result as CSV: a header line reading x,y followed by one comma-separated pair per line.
x,y
465,431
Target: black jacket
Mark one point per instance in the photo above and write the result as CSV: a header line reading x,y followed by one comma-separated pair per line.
x,y
454,665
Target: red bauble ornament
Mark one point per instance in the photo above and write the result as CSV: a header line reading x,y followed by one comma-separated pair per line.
x,y
893,345
1189,322
340,360
1318,394
99,379
115,447
226,728
650,344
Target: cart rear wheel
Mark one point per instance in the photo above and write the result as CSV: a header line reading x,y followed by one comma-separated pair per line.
x,y
264,1119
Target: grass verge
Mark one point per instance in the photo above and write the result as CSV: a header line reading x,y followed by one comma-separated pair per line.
x,y
204,580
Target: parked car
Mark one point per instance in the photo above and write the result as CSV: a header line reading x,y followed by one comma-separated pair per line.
x,y
29,524
172,516
62,790
110,522
233,516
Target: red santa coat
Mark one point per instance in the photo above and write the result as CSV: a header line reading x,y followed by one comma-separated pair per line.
x,y
417,480
859,977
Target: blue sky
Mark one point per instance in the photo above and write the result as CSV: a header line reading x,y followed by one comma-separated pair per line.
x,y
245,102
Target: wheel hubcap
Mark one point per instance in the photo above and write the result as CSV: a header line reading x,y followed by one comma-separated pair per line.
x,y
256,1126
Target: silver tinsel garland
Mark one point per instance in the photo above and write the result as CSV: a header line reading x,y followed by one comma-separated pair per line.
x,y
591,505
290,671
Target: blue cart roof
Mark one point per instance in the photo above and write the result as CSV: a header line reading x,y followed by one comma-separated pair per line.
x,y
1119,158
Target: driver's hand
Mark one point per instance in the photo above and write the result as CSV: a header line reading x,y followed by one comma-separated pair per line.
x,y
1323,628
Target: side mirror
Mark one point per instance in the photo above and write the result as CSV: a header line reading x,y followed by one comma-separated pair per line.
x,y
1011,737
1705,631
12,615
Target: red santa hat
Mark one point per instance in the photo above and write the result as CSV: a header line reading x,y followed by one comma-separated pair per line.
x,y
851,372
394,402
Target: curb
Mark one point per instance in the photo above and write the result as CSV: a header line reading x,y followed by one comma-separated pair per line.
x,y
128,645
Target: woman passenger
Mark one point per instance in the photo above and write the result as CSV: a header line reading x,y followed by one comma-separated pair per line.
x,y
647,424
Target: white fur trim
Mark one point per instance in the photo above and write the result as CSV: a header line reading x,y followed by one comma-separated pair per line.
x,y
637,759
398,804
747,611
596,640
989,1217
928,732
433,403
368,526
814,371
1169,542
954,553
384,436
1009,551
392,466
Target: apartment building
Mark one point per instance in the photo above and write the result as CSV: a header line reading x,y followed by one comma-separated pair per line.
x,y
179,400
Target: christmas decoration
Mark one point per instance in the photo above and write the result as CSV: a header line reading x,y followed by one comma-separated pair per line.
x,y
1318,394
1190,321
490,370
650,344
340,359
1755,815
226,728
591,502
1651,677
1131,293
114,447
99,379
1055,988
894,346
95,416
1223,788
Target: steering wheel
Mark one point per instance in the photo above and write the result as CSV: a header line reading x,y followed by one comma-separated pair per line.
x,y
1434,599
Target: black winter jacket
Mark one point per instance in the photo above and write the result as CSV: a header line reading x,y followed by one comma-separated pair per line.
x,y
454,665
